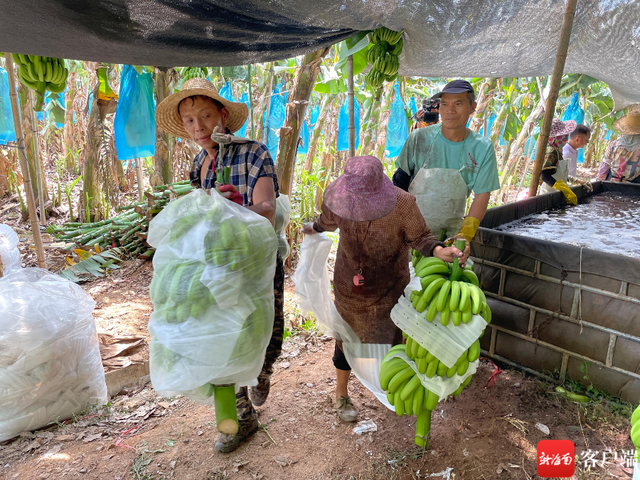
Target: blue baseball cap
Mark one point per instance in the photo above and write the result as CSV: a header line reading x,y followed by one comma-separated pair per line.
x,y
456,86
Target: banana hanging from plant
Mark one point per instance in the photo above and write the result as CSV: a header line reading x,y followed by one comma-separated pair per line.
x,y
41,74
188,73
383,55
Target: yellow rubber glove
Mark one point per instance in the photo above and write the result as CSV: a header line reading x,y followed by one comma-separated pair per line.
x,y
568,194
468,229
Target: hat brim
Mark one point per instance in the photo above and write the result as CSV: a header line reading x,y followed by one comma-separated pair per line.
x,y
168,117
623,126
453,91
362,207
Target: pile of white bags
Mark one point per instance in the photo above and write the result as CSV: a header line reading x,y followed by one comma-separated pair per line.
x,y
50,365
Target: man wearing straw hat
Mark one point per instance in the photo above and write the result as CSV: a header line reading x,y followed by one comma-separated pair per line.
x,y
198,112
620,162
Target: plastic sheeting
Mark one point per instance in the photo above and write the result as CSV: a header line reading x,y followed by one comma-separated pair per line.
x,y
135,121
511,38
7,128
343,125
50,365
398,126
222,258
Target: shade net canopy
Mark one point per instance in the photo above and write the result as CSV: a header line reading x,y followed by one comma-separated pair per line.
x,y
443,38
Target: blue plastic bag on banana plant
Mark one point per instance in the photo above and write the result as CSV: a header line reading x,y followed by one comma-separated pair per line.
x,y
398,126
7,129
343,125
135,121
212,293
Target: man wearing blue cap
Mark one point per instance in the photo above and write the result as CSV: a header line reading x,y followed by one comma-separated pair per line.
x,y
443,163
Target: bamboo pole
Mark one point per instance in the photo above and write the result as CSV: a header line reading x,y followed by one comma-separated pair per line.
x,y
561,57
352,122
26,177
38,161
251,103
139,179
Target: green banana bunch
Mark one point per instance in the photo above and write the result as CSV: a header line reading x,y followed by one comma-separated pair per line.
x,y
384,34
383,55
429,365
194,72
407,394
456,300
41,74
635,429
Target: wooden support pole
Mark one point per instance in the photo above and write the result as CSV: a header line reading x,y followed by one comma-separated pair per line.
x,y
251,103
139,178
37,160
352,122
26,177
556,79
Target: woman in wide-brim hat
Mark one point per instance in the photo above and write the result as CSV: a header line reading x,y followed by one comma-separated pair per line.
x,y
555,169
620,160
379,223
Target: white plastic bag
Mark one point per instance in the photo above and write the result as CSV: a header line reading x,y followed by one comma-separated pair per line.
x,y
9,253
283,217
212,292
314,290
50,365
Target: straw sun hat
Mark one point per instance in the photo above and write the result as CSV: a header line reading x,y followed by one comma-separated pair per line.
x,y
630,123
168,118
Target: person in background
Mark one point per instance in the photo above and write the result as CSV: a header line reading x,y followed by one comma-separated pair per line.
x,y
577,140
195,112
620,162
555,169
455,156
379,224
428,114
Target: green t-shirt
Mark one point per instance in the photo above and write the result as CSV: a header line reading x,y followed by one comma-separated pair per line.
x,y
475,157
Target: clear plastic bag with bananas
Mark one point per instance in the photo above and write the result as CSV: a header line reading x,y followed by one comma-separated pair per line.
x,y
194,72
41,74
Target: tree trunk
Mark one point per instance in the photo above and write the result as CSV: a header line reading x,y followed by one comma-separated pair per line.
x,y
69,146
162,161
304,82
370,134
589,159
326,162
381,141
325,108
26,107
518,148
264,104
91,192
487,91
496,128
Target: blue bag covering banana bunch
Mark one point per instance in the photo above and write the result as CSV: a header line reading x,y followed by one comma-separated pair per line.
x,y
384,56
41,74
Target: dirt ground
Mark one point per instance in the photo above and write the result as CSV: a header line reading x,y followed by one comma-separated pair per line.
x,y
485,433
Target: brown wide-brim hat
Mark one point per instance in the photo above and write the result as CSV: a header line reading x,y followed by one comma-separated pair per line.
x,y
560,128
630,123
168,117
363,192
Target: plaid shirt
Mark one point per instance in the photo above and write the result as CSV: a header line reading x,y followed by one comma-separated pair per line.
x,y
248,161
